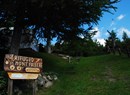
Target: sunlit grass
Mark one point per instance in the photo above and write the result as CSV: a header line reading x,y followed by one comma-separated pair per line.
x,y
98,75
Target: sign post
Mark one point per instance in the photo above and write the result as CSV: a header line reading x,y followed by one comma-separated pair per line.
x,y
34,87
21,67
10,86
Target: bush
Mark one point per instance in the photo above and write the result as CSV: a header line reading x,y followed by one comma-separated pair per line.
x,y
3,83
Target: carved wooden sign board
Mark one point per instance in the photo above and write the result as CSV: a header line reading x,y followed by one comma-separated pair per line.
x,y
22,67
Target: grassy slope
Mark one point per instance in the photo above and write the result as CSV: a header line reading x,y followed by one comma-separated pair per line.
x,y
99,75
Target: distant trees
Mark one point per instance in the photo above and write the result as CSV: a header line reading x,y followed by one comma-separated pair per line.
x,y
124,36
114,44
126,44
111,41
85,46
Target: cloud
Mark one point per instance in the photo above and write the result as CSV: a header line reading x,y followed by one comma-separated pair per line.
x,y
121,30
114,28
120,17
101,41
97,36
112,23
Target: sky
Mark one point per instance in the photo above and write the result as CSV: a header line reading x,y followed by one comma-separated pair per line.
x,y
119,21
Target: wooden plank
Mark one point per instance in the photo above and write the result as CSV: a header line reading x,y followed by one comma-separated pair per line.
x,y
15,63
22,75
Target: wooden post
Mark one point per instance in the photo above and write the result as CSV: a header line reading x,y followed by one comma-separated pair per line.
x,y
14,49
10,86
34,87
68,57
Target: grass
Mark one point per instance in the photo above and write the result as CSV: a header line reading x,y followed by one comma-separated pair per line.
x,y
98,75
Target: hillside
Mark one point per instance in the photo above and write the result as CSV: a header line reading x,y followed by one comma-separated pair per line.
x,y
98,75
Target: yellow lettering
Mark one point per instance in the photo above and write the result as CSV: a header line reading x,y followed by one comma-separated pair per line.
x,y
15,57
16,63
23,64
32,59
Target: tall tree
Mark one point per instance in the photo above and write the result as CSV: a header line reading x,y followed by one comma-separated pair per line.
x,y
112,39
124,36
58,18
126,44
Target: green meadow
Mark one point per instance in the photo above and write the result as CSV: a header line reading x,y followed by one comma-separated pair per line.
x,y
96,75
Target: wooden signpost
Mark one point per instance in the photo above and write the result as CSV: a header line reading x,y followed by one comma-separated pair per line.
x,y
22,67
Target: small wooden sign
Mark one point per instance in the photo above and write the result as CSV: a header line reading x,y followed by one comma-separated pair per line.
x,y
22,64
22,75
21,67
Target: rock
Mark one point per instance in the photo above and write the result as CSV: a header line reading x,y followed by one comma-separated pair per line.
x,y
55,77
64,57
49,78
46,79
48,84
41,81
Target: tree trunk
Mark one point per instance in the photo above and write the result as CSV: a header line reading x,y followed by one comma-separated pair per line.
x,y
14,49
48,46
15,41
113,48
119,51
18,26
128,53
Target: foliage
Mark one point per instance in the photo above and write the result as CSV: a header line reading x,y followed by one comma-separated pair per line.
x,y
114,44
61,18
94,48
124,36
126,46
3,83
80,47
5,35
3,74
112,38
111,41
